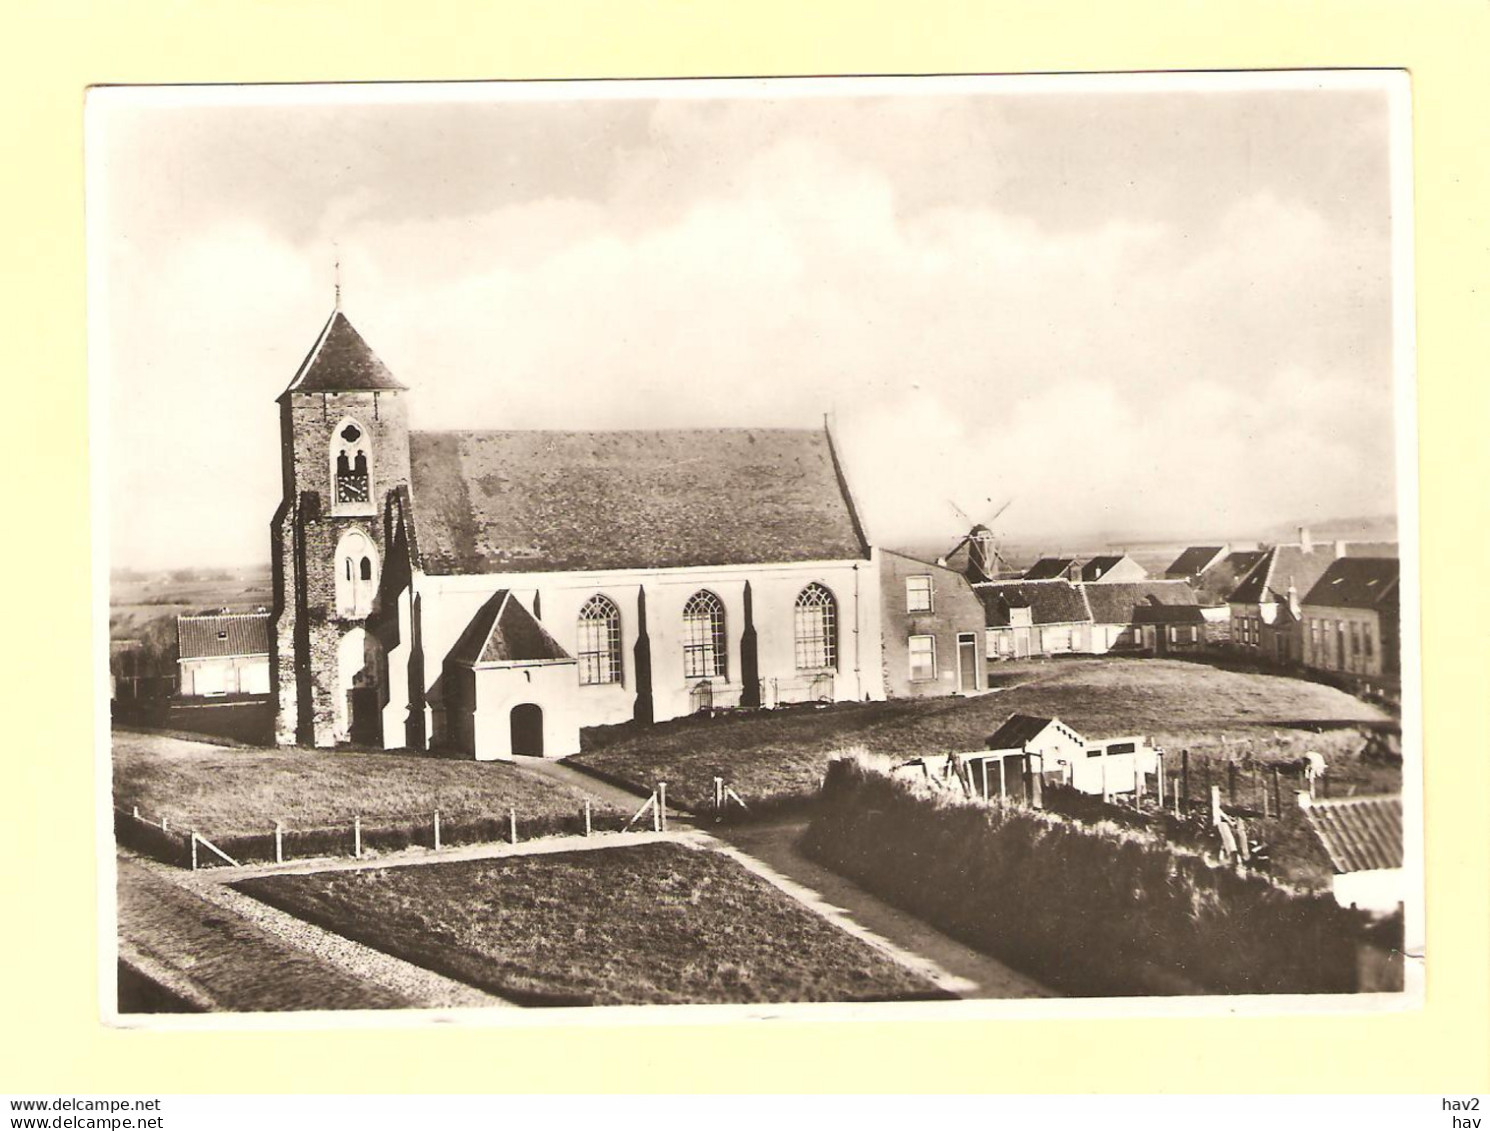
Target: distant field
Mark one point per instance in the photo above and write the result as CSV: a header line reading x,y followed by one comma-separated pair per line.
x,y
779,755
224,792
650,924
239,966
135,602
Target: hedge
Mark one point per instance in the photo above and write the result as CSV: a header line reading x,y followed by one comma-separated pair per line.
x,y
1090,910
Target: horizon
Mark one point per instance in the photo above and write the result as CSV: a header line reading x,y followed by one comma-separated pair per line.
x,y
1132,310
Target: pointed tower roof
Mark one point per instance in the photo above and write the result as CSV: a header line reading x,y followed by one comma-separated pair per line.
x,y
341,361
504,632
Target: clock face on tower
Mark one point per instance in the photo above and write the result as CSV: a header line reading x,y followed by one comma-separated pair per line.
x,y
351,488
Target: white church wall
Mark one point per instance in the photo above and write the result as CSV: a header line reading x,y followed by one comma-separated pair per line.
x,y
448,604
499,690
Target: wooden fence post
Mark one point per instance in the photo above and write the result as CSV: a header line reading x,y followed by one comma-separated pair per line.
x,y
1207,777
193,852
437,830
587,814
164,827
662,806
718,796
1185,777
512,825
1231,783
279,843
1215,805
357,837
137,812
1277,795
1160,757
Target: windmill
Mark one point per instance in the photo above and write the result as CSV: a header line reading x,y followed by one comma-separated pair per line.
x,y
984,560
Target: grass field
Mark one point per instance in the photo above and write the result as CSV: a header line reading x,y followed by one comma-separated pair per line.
x,y
650,924
780,755
238,965
223,791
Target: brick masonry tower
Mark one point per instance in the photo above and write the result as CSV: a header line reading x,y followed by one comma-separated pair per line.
x,y
344,445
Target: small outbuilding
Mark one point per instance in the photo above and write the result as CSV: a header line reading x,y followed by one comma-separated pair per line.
x,y
1363,838
523,680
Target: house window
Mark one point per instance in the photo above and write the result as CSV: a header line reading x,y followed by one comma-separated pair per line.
x,y
1367,640
704,649
599,641
918,594
816,629
923,657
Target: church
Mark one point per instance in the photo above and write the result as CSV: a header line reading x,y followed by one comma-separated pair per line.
x,y
489,593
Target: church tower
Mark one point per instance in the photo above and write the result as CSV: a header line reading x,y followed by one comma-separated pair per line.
x,y
344,447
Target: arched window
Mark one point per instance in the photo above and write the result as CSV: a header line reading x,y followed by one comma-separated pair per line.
x,y
704,649
816,629
356,574
599,641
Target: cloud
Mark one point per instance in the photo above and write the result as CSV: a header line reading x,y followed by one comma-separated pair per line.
x,y
728,265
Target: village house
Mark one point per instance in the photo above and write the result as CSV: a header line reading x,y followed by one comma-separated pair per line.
x,y
1352,619
1054,569
1221,572
933,629
1034,618
1267,604
1115,608
1113,568
223,654
492,592
1021,754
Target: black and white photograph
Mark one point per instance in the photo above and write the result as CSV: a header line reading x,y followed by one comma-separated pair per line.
x,y
929,545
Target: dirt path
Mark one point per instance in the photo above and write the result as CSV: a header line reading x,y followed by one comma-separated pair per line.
x,y
958,968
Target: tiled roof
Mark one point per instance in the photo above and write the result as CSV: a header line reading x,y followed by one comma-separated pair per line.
x,y
341,361
1356,583
227,634
1360,834
488,502
1047,569
1050,602
1168,614
1279,568
1194,561
1115,602
1216,583
503,631
1016,731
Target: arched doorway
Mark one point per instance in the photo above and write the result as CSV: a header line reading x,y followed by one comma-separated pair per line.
x,y
527,729
359,717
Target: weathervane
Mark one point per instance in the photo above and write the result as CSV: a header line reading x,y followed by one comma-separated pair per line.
x,y
337,285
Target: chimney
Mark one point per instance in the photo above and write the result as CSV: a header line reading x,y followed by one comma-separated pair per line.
x,y
1305,542
1293,598
1339,549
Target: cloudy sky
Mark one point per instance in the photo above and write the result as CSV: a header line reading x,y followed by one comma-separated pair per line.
x,y
1137,313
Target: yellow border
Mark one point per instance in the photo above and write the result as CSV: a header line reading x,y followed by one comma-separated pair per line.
x,y
52,1039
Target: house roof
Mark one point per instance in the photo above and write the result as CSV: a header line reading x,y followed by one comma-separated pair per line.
x,y
1356,583
1279,568
504,632
1194,561
225,634
1096,567
1047,569
1049,602
1115,602
1168,614
1016,731
341,361
1360,834
488,502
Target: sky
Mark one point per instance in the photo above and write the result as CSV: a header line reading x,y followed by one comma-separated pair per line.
x,y
1130,313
